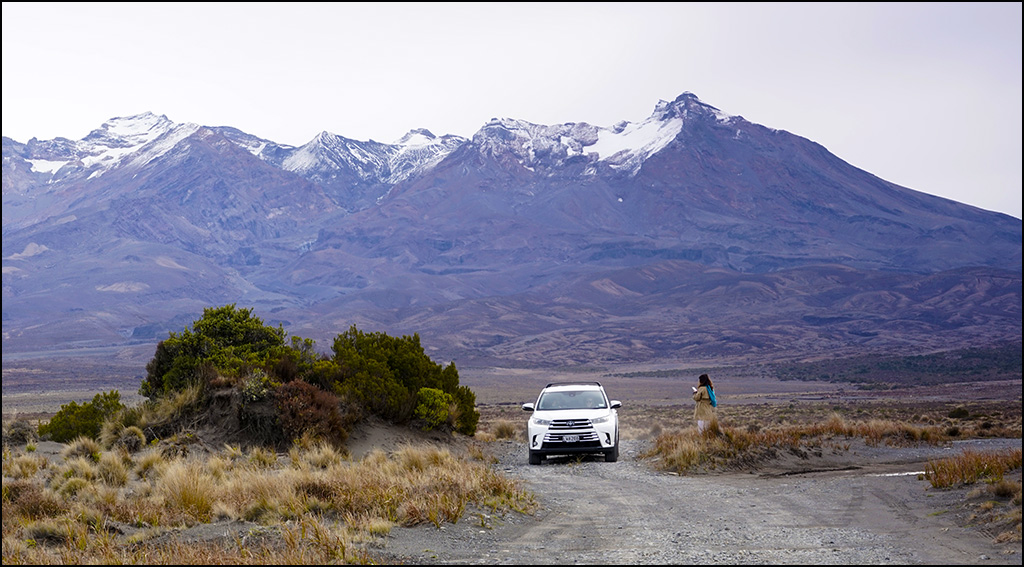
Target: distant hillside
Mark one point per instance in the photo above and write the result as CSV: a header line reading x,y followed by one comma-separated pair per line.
x,y
1001,362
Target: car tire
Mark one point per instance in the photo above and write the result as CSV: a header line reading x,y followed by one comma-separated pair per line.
x,y
536,458
612,455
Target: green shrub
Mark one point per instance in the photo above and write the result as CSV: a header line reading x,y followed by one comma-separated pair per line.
x,y
386,373
468,416
225,339
433,407
85,420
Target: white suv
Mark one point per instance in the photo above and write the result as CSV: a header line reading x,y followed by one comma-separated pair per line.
x,y
573,418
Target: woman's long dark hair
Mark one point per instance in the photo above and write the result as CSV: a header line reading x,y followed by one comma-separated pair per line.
x,y
705,380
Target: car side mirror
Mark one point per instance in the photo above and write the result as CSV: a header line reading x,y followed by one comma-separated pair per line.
x,y
616,404
527,407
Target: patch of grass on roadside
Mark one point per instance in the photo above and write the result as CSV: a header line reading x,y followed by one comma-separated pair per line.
x,y
997,503
737,447
971,467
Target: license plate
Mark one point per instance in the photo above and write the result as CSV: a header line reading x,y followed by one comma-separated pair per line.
x,y
571,438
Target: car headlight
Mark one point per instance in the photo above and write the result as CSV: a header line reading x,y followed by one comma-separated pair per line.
x,y
539,421
604,419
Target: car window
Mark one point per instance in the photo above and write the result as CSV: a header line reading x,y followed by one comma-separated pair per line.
x,y
583,399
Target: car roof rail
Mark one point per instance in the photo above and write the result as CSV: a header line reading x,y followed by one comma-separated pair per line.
x,y
572,384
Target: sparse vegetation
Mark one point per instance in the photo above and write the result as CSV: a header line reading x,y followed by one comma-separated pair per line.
x,y
314,503
805,426
146,466
505,429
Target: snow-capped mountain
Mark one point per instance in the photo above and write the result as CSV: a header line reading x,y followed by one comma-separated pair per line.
x,y
119,142
623,147
692,233
358,174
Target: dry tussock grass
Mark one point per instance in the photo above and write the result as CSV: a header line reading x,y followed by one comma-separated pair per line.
x,y
998,501
313,505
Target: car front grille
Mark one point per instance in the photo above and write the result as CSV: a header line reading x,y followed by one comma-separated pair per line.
x,y
567,424
571,431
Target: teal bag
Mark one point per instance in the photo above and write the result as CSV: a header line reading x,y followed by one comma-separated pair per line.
x,y
714,402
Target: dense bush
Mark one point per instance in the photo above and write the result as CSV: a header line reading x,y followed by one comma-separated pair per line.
x,y
85,420
372,373
231,340
387,373
304,409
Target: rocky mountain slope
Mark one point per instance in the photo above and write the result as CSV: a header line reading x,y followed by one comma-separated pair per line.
x,y
693,234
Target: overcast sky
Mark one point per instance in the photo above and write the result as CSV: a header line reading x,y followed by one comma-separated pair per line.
x,y
925,95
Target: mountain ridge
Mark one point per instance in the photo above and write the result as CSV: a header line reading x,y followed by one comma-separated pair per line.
x,y
522,237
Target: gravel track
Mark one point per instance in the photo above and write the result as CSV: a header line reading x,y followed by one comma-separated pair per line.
x,y
851,507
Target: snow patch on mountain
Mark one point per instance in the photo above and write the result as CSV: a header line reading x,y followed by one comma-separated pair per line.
x,y
124,287
629,147
537,147
153,149
134,141
167,262
329,152
46,165
32,249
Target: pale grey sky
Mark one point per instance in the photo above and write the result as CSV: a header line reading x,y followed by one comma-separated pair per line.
x,y
926,95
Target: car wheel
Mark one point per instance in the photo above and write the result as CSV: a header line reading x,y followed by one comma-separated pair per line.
x,y
612,455
536,458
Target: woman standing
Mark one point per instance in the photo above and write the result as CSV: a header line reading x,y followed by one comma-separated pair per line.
x,y
704,413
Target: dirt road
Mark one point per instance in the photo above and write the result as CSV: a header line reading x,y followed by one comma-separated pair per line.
x,y
859,507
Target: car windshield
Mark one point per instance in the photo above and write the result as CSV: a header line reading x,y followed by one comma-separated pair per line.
x,y
572,399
